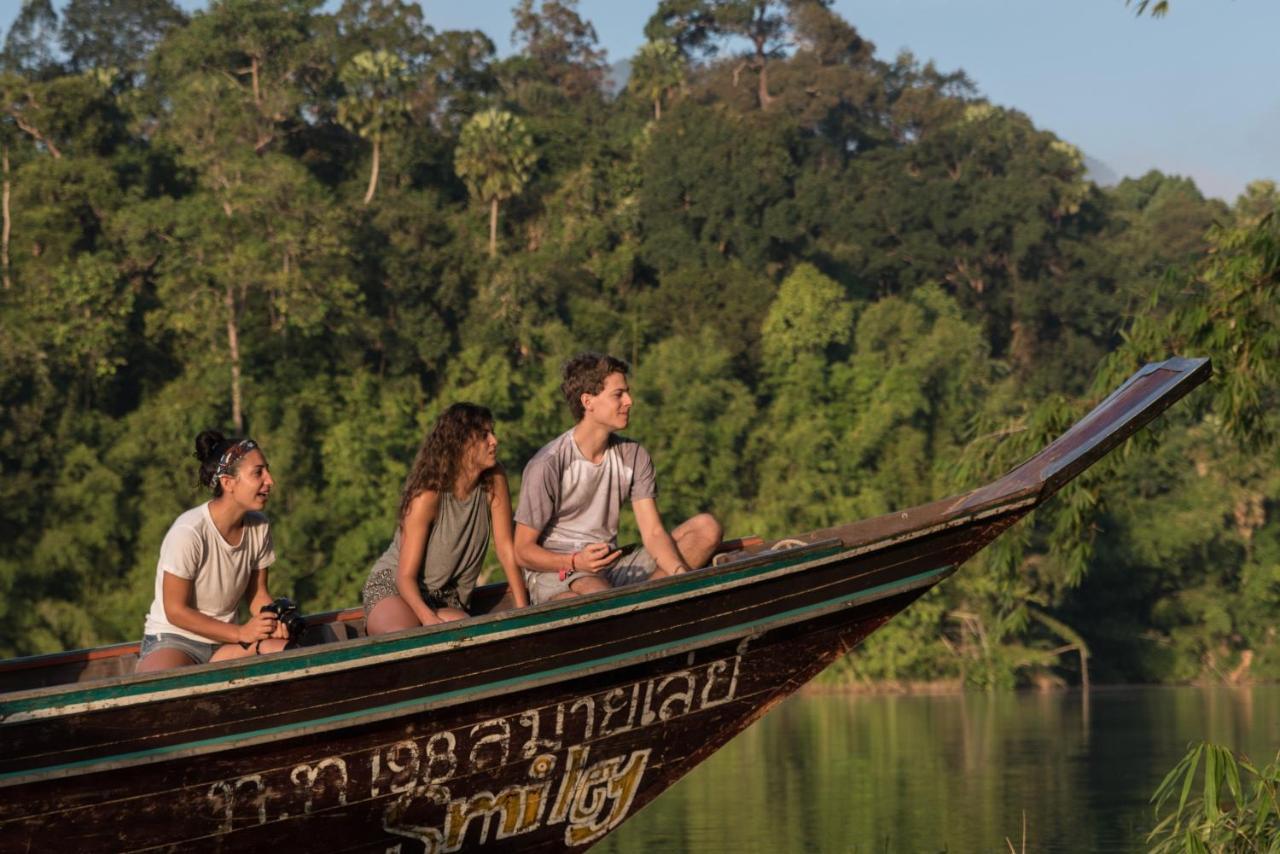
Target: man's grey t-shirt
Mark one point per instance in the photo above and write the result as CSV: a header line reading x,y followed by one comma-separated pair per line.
x,y
571,501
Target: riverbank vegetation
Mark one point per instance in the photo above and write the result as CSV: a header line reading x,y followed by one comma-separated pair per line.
x,y
847,283
1235,809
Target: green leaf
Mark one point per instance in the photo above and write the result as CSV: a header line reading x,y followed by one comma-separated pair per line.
x,y
1211,771
1190,778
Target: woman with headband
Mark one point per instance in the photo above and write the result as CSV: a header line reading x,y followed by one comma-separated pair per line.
x,y
215,555
455,496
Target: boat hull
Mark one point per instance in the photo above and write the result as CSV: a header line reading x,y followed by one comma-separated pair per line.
x,y
567,766
594,734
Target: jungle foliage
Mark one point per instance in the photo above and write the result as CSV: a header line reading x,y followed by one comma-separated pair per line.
x,y
847,283
1237,808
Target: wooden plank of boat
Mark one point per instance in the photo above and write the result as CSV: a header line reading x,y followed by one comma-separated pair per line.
x,y
537,729
83,665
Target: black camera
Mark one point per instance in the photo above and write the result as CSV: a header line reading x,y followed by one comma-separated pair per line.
x,y
286,611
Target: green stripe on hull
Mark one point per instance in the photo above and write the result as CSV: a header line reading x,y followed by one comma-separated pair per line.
x,y
274,665
461,694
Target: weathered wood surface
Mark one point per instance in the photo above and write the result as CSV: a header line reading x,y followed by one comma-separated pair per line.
x,y
561,770
538,729
654,689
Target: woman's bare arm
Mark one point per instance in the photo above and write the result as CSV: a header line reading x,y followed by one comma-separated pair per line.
x,y
176,593
504,537
415,528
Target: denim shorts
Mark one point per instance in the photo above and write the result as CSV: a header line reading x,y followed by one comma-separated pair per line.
x,y
199,651
635,565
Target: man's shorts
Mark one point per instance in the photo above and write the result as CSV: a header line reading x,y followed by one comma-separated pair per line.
x,y
199,651
634,566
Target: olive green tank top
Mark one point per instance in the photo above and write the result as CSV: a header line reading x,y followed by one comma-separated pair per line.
x,y
456,545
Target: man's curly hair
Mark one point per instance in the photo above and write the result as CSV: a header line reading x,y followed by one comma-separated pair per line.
x,y
585,374
439,460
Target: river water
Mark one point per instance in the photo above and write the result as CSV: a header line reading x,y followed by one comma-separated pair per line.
x,y
848,773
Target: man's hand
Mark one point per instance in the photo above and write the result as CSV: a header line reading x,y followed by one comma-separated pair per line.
x,y
594,557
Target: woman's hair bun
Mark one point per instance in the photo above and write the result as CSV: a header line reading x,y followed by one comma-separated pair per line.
x,y
207,445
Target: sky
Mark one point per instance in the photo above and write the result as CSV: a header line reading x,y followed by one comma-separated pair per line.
x,y
1193,93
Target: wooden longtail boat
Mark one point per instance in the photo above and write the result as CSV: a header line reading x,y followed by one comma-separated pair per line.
x,y
536,729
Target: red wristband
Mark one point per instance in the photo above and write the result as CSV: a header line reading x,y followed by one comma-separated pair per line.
x,y
564,573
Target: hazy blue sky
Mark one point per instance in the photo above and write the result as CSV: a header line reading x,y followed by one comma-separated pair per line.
x,y
1193,94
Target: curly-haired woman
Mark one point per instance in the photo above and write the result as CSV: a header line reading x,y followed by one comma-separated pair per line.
x,y
455,497
213,556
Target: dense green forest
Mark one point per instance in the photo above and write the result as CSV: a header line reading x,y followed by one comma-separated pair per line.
x,y
846,282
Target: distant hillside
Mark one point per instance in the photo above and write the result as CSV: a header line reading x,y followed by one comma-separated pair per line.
x,y
616,80
1099,172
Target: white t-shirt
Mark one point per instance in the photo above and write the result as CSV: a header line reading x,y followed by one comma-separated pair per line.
x,y
571,501
219,572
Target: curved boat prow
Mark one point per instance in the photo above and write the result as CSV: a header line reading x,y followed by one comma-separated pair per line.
x,y
1141,398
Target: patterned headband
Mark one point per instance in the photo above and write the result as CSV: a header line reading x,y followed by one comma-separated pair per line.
x,y
230,457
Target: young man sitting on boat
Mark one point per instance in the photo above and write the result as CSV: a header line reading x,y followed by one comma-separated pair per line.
x,y
573,490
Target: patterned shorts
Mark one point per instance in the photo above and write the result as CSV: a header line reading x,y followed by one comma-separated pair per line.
x,y
382,583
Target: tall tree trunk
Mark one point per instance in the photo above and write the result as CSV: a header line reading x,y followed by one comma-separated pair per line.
x,y
762,91
762,65
373,173
657,109
233,347
493,228
5,229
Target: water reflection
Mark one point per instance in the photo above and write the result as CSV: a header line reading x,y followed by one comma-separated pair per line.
x,y
953,773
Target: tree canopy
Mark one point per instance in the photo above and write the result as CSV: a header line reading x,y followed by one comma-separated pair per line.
x,y
846,284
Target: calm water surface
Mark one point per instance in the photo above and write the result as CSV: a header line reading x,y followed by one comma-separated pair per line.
x,y
954,773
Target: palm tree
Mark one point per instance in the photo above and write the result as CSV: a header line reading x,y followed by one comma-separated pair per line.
x,y
495,158
375,103
657,69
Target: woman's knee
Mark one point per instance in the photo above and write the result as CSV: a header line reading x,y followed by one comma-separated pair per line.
x,y
228,651
392,614
165,658
450,614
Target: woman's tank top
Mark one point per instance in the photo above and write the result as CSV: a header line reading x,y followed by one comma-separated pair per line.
x,y
456,545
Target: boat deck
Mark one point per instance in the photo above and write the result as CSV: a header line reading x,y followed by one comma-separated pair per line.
x,y
89,665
